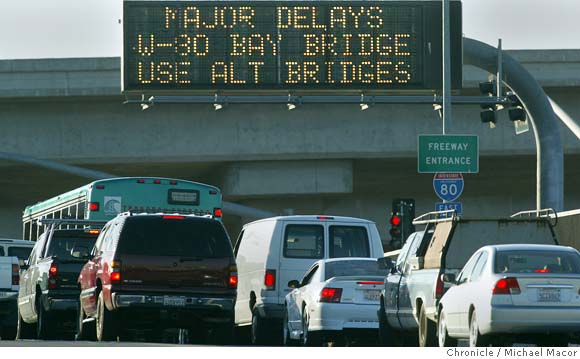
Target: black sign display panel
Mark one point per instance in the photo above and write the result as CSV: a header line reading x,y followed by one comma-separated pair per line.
x,y
178,46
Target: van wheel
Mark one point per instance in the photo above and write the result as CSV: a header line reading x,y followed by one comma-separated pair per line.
x,y
286,340
105,322
260,329
23,329
426,330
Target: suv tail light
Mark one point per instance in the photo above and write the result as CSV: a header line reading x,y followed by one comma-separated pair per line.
x,y
439,287
507,285
52,275
15,274
115,272
330,295
270,279
233,278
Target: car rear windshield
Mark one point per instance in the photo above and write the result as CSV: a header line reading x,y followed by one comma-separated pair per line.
x,y
21,252
348,241
62,243
155,236
537,262
353,268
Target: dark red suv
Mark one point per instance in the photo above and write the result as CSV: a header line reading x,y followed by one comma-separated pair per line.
x,y
150,272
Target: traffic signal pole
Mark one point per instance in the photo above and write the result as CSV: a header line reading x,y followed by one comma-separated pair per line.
x,y
446,68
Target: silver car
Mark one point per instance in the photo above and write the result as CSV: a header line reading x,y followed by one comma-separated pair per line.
x,y
509,290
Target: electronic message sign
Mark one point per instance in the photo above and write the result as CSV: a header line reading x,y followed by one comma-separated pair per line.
x,y
266,45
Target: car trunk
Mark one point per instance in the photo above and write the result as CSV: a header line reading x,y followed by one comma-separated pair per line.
x,y
358,290
543,290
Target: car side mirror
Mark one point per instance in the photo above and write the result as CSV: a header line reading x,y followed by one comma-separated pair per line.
x,y
448,278
294,284
386,263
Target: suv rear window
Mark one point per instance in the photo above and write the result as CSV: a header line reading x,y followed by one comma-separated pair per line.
x,y
349,241
537,262
21,252
155,236
63,242
304,241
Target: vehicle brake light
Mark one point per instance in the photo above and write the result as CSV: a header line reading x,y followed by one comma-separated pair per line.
x,y
94,206
213,191
100,186
507,285
173,182
439,287
52,274
270,279
217,212
15,274
173,217
115,275
140,181
157,181
542,271
324,218
370,283
330,295
233,281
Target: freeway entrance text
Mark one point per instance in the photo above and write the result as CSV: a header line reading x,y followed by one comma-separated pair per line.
x,y
448,153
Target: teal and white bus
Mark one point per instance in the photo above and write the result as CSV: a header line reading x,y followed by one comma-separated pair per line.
x,y
104,199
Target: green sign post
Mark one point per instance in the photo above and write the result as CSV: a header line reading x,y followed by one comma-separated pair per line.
x,y
448,153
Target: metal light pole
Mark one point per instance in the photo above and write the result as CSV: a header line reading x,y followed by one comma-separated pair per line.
x,y
446,68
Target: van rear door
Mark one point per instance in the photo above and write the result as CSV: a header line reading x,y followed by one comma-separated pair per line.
x,y
302,244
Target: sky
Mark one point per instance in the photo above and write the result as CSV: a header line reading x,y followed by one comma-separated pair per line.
x,y
91,28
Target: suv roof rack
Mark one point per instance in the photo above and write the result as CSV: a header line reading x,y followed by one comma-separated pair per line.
x,y
549,213
131,213
73,221
436,216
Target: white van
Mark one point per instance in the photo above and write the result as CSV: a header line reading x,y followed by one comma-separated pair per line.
x,y
273,251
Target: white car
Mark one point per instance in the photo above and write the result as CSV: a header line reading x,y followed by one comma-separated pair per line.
x,y
334,295
513,291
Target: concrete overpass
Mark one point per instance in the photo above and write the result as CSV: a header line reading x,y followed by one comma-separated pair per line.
x,y
332,159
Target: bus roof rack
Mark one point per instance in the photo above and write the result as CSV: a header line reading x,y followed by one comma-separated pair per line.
x,y
436,216
548,213
77,221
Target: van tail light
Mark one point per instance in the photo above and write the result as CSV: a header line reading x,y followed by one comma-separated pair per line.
x,y
15,274
217,212
507,285
330,295
439,287
115,273
270,279
52,276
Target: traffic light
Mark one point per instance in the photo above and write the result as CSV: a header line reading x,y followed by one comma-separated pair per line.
x,y
516,111
401,221
488,111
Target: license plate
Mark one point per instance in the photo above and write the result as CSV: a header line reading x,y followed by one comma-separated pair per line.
x,y
174,301
373,295
548,295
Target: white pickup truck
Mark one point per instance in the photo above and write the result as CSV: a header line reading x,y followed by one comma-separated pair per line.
x,y
412,290
9,279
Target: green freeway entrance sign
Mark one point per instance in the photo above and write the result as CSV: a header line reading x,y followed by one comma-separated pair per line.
x,y
448,153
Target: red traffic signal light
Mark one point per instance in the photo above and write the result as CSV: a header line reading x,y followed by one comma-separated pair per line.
x,y
395,220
